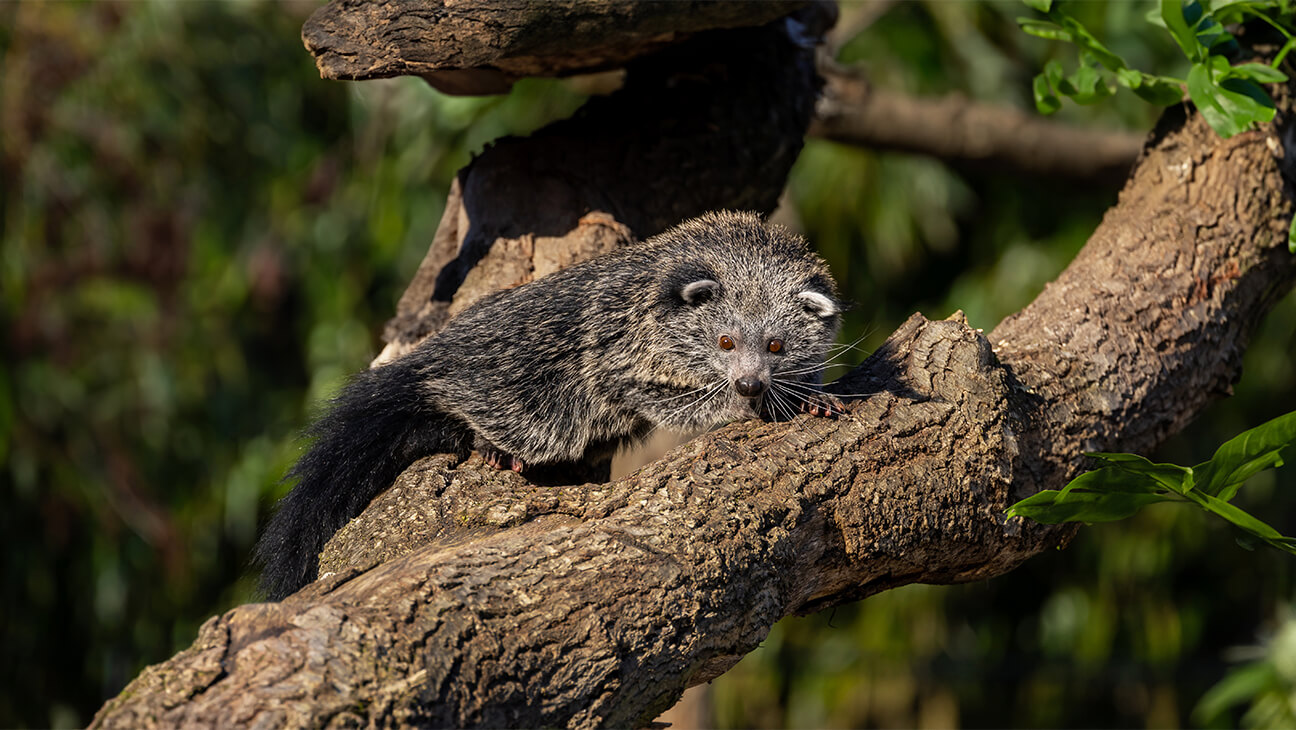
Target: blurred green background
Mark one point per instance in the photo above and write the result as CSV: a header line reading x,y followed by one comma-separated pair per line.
x,y
201,238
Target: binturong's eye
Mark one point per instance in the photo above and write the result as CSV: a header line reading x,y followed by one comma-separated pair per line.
x,y
775,345
726,342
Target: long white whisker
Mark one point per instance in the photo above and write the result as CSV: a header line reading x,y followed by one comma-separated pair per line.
x,y
805,391
826,363
705,397
789,412
776,406
686,393
853,345
813,368
709,393
815,389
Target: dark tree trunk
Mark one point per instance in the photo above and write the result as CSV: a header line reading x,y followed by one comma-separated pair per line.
x,y
715,122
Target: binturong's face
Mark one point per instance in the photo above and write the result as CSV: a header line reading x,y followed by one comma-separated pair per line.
x,y
753,331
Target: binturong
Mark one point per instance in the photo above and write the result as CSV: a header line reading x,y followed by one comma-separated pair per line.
x,y
722,318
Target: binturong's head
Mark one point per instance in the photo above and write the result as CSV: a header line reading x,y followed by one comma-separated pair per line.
x,y
748,311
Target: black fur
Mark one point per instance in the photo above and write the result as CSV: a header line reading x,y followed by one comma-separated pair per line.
x,y
378,425
569,367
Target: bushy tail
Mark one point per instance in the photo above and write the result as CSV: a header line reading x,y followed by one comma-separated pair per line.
x,y
380,424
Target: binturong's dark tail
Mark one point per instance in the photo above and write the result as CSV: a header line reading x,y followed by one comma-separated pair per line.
x,y
380,423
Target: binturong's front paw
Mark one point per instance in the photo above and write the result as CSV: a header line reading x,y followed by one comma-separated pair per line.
x,y
501,460
823,405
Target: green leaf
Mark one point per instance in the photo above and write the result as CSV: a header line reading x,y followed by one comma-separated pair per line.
x,y
1246,454
1239,686
1172,13
1130,467
1057,77
1246,522
1206,95
1110,493
1291,237
1046,506
1045,101
1246,100
1112,479
1242,99
1089,86
1257,72
1210,34
1214,7
1040,5
1083,38
1161,93
1129,78
1232,105
1159,90
1044,29
1130,482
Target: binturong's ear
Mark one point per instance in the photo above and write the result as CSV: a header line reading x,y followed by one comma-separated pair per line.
x,y
697,292
819,303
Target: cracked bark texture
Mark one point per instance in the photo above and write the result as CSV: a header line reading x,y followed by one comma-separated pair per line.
x,y
482,47
466,596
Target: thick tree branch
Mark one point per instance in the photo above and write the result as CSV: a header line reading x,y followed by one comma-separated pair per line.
x,y
962,131
481,48
1151,320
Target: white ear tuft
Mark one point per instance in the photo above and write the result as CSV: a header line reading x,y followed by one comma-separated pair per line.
x,y
818,302
699,291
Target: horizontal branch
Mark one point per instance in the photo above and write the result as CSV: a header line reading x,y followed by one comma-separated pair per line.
x,y
481,47
959,130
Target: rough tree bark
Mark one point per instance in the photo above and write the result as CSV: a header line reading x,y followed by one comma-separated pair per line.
x,y
482,47
510,604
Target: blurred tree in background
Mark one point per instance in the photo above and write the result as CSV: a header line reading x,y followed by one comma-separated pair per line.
x,y
201,238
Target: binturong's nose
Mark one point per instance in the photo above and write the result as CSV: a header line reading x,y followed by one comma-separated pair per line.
x,y
749,387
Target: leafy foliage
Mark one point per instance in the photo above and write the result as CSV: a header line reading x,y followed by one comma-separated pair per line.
x,y
1229,97
1129,482
1266,686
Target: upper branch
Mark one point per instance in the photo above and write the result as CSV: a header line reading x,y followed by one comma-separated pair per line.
x,y
961,131
482,47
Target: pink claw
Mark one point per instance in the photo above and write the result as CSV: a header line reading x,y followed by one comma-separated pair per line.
x,y
501,460
822,405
